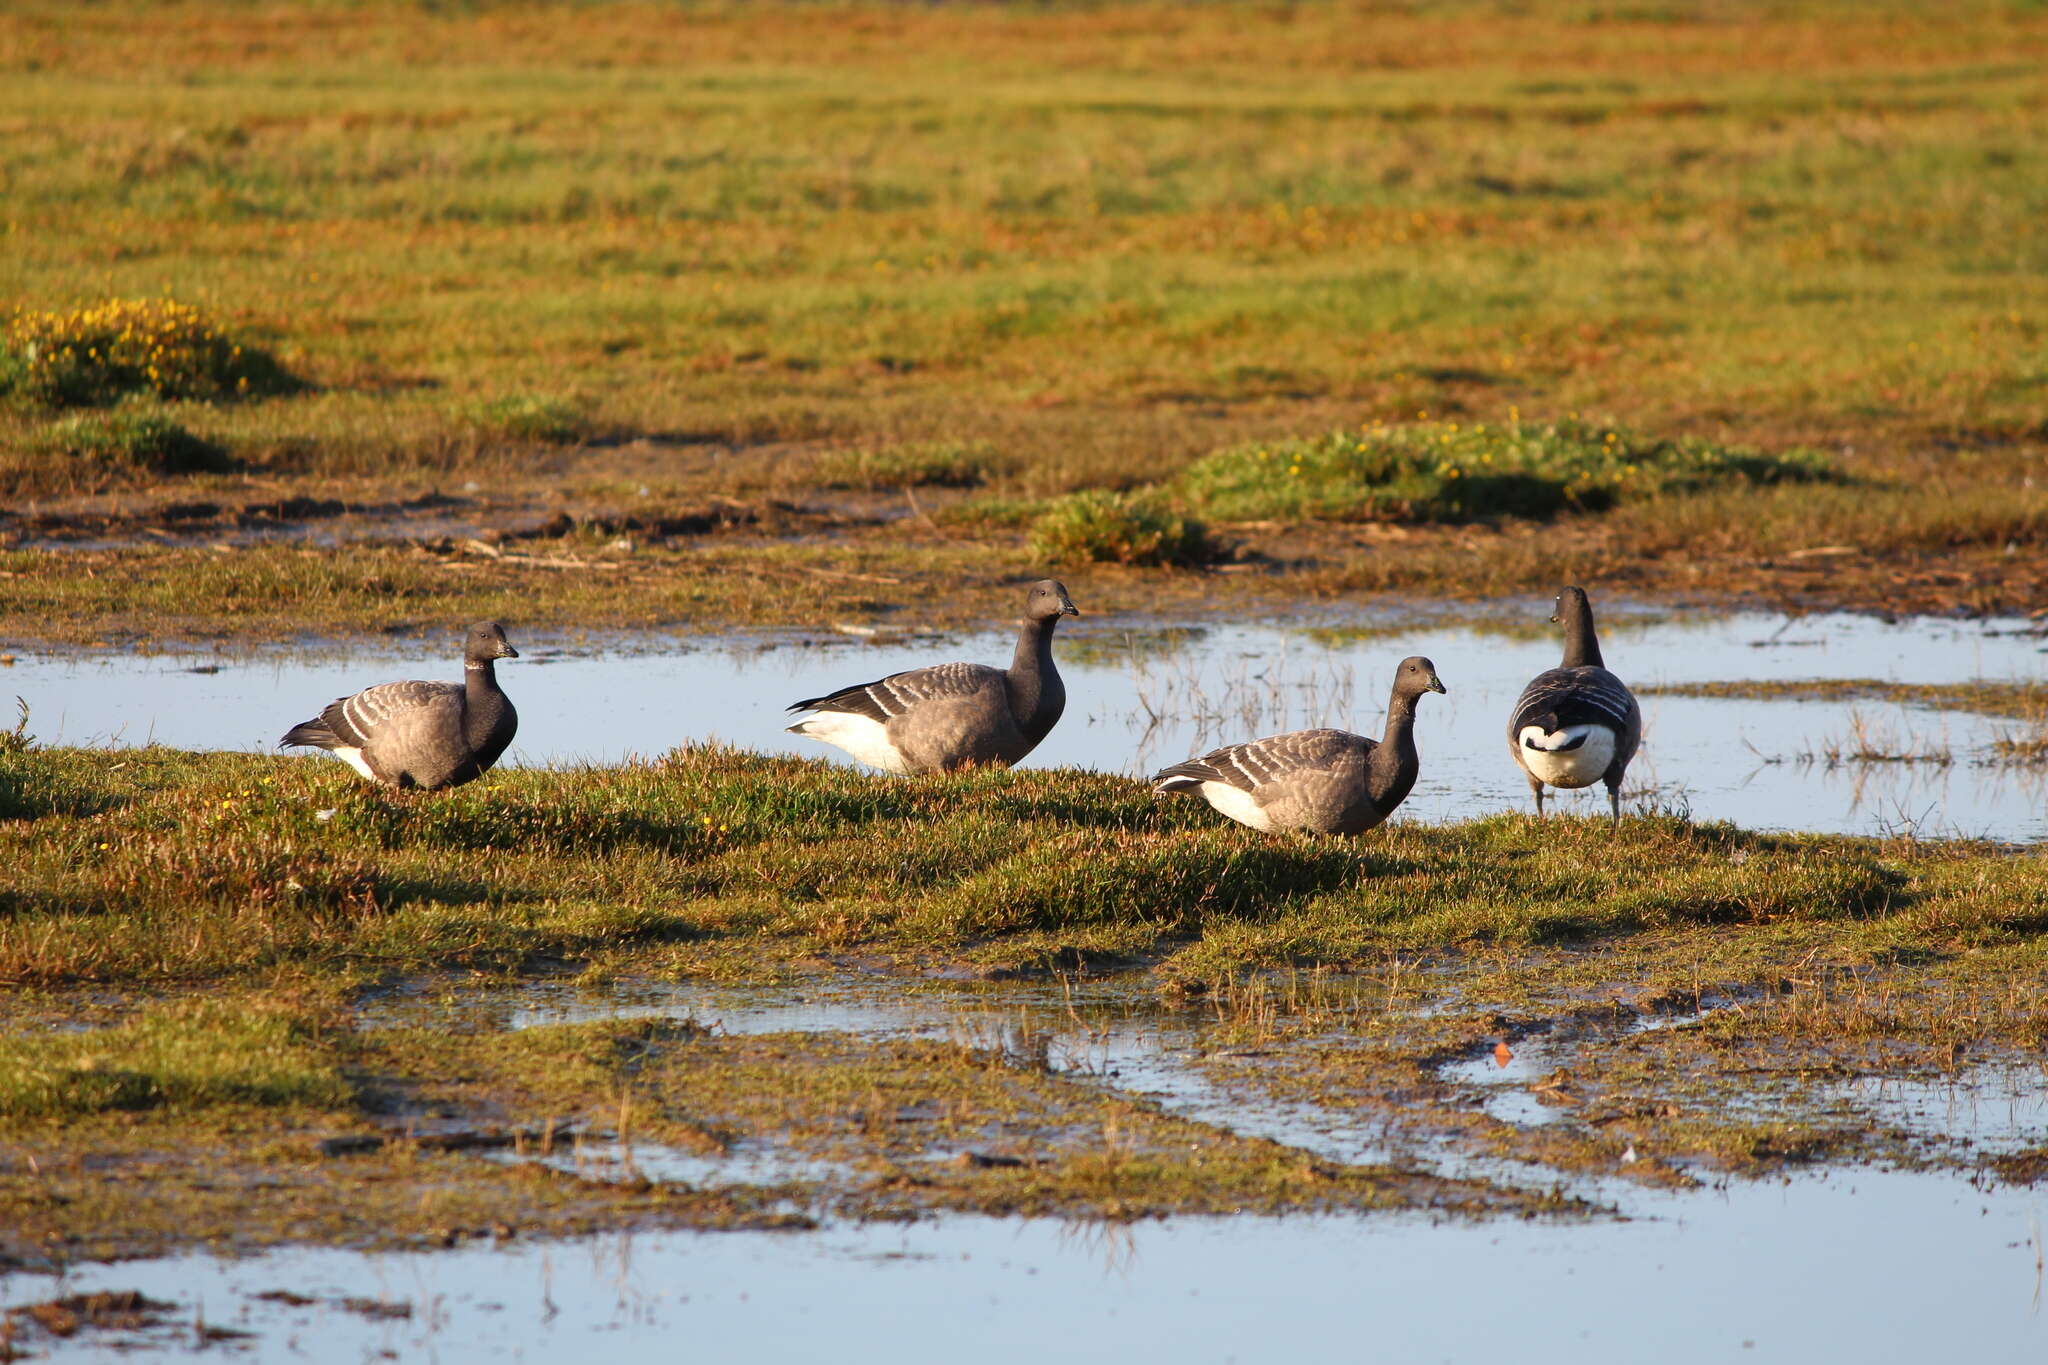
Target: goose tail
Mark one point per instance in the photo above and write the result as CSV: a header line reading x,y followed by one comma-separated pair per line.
x,y
310,734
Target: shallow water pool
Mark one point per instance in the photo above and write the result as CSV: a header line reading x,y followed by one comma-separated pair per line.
x,y
1867,1265
1142,698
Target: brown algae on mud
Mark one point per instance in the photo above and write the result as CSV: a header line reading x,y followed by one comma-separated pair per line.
x,y
2022,700
912,574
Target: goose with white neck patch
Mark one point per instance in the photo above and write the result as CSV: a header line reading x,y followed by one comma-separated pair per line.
x,y
1576,724
422,735
1317,781
954,715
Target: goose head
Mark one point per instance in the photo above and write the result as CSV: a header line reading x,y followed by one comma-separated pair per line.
x,y
1047,600
487,642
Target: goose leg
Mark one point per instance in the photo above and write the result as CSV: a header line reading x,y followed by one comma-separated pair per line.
x,y
1536,786
1614,799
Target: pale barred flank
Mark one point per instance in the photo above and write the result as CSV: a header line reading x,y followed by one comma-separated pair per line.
x,y
886,698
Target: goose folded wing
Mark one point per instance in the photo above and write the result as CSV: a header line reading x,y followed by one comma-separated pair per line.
x,y
388,708
1576,696
887,698
1256,763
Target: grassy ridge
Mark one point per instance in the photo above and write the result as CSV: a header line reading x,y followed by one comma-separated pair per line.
x,y
177,867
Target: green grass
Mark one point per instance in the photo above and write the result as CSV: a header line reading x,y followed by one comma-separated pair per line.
x,y
1118,528
369,1164
533,417
129,440
968,226
768,252
999,255
190,868
186,1056
1451,472
918,464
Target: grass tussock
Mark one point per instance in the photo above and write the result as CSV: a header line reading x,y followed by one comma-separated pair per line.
x,y
533,417
1448,471
916,464
130,441
186,1056
1101,526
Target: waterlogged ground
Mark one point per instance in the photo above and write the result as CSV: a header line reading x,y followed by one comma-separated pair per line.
x,y
1790,756
1900,1261
776,1058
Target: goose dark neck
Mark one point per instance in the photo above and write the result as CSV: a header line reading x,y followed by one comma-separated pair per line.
x,y
1391,769
486,704
1037,696
1581,645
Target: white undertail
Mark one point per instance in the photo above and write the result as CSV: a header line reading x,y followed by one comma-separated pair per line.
x,y
865,738
354,758
1576,756
1237,803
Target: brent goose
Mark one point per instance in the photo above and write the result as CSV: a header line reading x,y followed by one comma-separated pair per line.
x,y
1322,781
424,735
1576,724
952,715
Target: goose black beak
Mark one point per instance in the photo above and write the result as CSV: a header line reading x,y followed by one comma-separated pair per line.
x,y
1067,607
1437,685
507,652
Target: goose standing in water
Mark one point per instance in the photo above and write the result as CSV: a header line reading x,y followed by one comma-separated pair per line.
x,y
1576,724
424,735
951,716
1321,781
